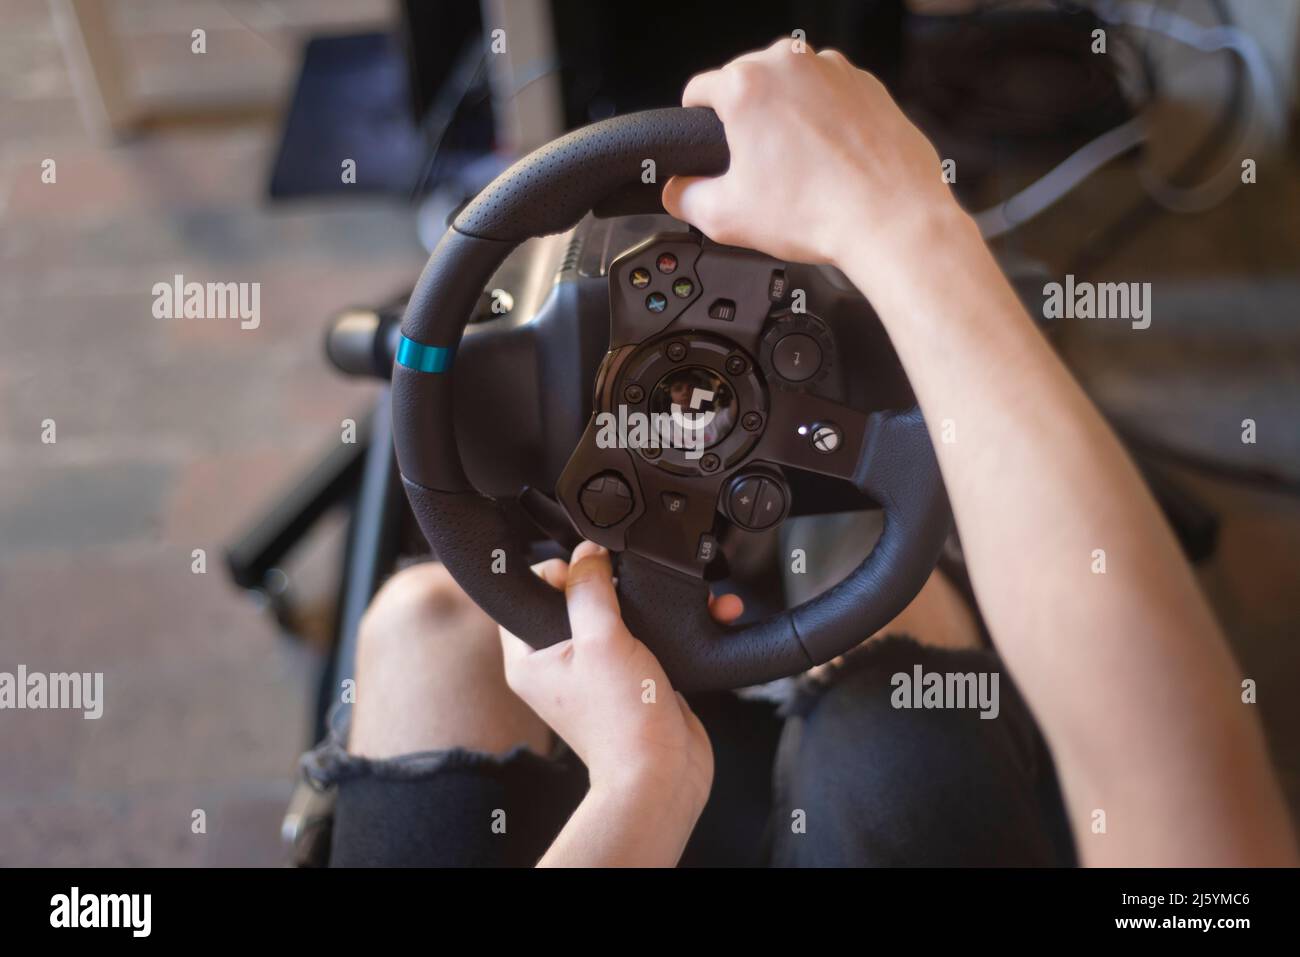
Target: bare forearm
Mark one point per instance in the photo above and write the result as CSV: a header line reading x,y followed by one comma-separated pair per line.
x,y
1126,669
631,826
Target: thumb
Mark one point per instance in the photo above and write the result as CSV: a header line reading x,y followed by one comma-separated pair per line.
x,y
692,199
589,591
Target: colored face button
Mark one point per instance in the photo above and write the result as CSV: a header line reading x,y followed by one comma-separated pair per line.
x,y
656,302
640,278
666,263
682,288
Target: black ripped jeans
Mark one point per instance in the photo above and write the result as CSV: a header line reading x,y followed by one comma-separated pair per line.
x,y
840,774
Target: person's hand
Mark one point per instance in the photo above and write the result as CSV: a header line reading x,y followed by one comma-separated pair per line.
x,y
822,160
607,696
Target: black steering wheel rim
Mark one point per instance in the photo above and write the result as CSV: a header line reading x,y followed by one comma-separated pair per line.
x,y
549,191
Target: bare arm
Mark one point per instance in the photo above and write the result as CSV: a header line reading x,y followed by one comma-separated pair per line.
x,y
639,825
1126,671
647,755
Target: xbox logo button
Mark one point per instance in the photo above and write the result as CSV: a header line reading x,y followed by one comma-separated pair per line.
x,y
826,438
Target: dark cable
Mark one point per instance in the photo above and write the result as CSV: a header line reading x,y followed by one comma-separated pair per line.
x,y
465,76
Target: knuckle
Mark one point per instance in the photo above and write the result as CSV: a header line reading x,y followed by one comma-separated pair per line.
x,y
746,83
873,84
704,211
588,571
837,60
697,84
716,219
600,639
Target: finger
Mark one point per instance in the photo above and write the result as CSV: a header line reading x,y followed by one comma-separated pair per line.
x,y
692,200
674,191
514,653
592,601
553,571
709,87
782,44
726,608
703,89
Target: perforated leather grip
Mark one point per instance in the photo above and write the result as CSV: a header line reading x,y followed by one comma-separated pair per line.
x,y
553,187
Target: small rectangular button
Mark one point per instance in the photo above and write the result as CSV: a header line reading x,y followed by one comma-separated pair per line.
x,y
708,549
674,502
776,286
723,309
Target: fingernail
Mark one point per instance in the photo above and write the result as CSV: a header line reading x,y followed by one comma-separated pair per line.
x,y
590,548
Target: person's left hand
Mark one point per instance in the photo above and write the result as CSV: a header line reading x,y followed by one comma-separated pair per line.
x,y
606,694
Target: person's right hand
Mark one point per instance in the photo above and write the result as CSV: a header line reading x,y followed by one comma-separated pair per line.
x,y
822,160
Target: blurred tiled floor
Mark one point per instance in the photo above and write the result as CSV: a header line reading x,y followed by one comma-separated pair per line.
x,y
170,436
172,433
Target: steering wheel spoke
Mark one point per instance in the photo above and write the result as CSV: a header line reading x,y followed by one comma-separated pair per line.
x,y
615,499
893,442
806,431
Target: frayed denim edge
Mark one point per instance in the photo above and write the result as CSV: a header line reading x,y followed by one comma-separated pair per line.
x,y
329,763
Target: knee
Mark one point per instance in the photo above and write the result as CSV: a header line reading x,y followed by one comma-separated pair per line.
x,y
422,611
904,785
430,674
903,748
426,590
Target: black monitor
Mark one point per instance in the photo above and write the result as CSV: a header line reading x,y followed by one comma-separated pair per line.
x,y
612,56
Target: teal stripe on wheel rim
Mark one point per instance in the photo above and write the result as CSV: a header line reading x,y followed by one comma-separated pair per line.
x,y
422,358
